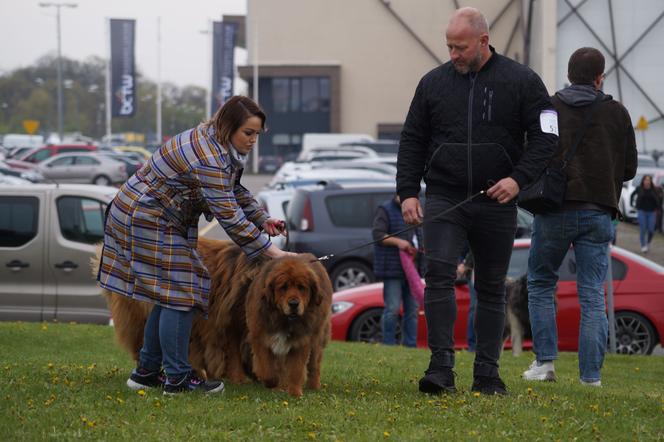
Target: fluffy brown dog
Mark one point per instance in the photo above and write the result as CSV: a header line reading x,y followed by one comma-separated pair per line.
x,y
288,320
267,319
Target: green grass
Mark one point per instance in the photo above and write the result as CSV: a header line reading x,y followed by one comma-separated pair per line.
x,y
67,381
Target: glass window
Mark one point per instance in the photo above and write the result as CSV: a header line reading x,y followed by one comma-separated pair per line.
x,y
81,219
86,161
295,95
19,218
518,263
281,139
310,94
280,94
39,156
355,210
66,161
324,103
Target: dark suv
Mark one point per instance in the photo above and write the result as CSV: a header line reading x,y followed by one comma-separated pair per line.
x,y
331,218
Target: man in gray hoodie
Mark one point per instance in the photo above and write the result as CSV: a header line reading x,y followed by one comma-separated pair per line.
x,y
605,157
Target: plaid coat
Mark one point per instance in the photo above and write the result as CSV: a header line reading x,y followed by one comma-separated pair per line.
x,y
151,229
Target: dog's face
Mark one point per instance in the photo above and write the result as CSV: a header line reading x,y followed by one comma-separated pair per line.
x,y
292,285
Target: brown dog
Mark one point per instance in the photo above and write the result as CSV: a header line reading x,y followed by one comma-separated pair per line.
x,y
288,319
267,319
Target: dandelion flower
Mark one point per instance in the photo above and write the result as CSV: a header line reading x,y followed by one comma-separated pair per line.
x,y
141,392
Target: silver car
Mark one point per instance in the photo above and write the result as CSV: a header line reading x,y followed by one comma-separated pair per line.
x,y
48,234
83,168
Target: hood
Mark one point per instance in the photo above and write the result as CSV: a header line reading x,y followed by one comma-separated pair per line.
x,y
579,95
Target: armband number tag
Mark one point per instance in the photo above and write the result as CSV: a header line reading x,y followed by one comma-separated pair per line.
x,y
549,121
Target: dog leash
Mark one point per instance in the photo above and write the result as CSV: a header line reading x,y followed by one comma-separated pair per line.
x,y
414,226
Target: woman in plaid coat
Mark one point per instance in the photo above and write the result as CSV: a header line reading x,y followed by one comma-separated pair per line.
x,y
151,234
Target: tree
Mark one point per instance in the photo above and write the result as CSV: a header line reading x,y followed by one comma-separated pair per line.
x,y
30,93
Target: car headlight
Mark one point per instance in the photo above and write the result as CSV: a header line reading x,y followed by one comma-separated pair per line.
x,y
340,306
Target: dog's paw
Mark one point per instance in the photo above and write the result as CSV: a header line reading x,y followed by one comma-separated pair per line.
x,y
295,390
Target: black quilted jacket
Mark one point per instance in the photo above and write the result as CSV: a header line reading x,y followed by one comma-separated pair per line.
x,y
464,132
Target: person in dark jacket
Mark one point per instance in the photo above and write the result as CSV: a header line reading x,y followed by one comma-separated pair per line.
x,y
605,157
465,133
387,266
648,200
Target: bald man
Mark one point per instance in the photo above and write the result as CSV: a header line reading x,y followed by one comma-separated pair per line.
x,y
465,132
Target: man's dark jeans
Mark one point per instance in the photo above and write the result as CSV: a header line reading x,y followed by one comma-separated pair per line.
x,y
489,228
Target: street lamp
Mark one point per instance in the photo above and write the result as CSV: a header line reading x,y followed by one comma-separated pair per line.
x,y
57,7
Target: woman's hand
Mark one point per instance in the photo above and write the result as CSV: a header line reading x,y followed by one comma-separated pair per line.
x,y
275,252
274,227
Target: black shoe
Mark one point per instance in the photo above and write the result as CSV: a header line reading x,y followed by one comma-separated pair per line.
x,y
438,380
141,378
489,385
190,382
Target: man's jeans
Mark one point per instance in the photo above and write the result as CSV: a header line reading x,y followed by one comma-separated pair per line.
x,y
396,290
488,228
166,340
589,231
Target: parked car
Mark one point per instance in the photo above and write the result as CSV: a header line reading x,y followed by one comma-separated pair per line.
x,y
143,152
131,163
645,160
336,153
30,175
381,147
627,203
638,299
40,154
291,170
83,168
47,237
332,218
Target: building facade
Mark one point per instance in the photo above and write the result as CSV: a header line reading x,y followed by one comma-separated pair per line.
x,y
352,65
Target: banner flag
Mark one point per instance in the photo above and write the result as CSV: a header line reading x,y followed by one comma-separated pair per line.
x,y
123,74
223,63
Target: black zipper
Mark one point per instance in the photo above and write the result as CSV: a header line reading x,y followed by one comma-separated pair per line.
x,y
472,76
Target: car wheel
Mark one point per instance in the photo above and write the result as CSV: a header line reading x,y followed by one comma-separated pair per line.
x,y
366,327
634,334
101,180
351,274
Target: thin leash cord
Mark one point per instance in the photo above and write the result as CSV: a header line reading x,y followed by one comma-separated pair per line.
x,y
414,226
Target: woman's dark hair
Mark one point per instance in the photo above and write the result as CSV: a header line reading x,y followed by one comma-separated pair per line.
x,y
232,115
585,65
643,180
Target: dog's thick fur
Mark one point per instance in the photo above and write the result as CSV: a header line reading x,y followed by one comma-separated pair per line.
x,y
517,323
267,319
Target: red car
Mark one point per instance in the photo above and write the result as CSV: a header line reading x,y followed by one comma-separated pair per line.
x,y
638,287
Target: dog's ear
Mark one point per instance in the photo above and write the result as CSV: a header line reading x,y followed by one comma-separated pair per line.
x,y
315,289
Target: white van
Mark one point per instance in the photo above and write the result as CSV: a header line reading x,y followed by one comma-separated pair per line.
x,y
11,141
312,140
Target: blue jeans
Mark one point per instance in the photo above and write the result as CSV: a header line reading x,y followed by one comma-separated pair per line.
x,y
396,291
646,226
589,231
166,341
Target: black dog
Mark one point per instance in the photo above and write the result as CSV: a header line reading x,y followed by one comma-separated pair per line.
x,y
517,323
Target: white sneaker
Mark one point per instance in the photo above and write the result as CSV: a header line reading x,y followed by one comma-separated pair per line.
x,y
644,249
591,384
540,371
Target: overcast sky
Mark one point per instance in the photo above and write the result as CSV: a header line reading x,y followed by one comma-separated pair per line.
x,y
29,32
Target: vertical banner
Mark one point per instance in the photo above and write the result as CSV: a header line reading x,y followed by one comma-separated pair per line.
x,y
223,63
123,74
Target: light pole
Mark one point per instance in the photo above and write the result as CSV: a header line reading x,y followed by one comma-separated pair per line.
x,y
57,7
209,33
